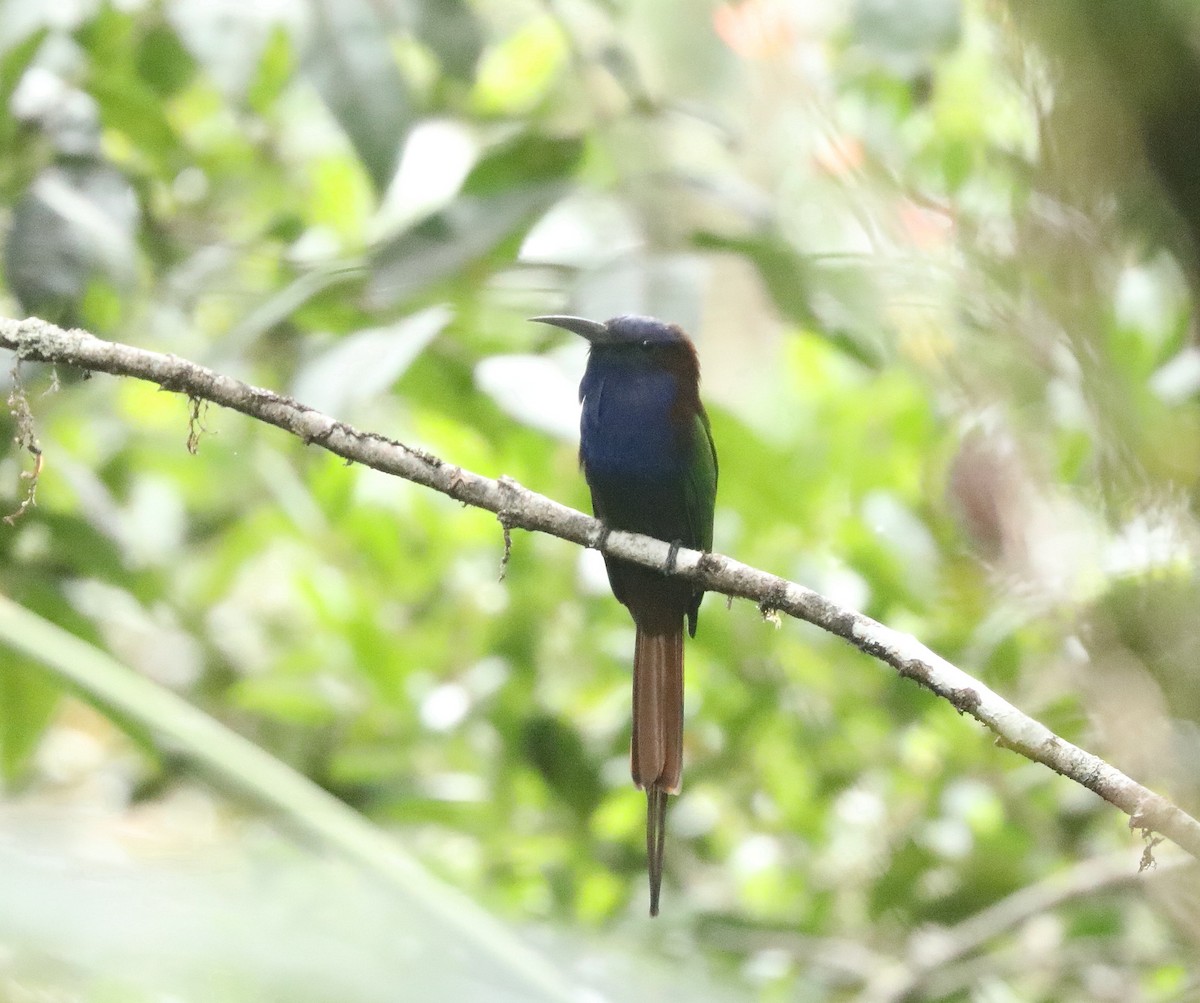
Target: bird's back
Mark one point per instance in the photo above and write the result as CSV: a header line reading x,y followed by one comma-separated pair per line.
x,y
649,465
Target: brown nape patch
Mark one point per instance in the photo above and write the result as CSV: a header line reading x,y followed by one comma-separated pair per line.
x,y
680,358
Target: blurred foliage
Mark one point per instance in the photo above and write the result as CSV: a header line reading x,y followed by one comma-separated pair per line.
x,y
939,260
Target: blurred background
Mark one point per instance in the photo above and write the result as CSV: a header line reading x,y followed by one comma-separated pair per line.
x,y
939,259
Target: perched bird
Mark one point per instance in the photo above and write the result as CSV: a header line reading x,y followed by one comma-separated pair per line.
x,y
647,453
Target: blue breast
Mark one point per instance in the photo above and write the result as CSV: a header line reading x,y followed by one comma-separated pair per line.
x,y
626,429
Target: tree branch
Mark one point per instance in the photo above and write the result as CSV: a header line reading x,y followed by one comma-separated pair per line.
x,y
518,507
933,950
929,964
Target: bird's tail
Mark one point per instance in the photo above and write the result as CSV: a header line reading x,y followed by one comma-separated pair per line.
x,y
656,753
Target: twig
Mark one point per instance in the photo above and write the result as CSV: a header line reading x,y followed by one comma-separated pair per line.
x,y
934,950
18,406
523,509
933,961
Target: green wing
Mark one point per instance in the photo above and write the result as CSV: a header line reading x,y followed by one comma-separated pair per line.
x,y
700,499
700,491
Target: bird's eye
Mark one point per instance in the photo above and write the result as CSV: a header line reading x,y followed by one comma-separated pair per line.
x,y
646,343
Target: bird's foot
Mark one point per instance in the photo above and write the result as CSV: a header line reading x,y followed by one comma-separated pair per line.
x,y
673,555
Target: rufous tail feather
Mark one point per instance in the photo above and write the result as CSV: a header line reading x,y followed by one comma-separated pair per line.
x,y
656,752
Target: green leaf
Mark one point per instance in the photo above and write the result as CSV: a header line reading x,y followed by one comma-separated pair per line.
x,y
451,29
130,103
503,195
793,282
27,702
786,272
448,241
353,68
517,74
163,62
12,67
530,159
275,68
559,755
130,107
364,364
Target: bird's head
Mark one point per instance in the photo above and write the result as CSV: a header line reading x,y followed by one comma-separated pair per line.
x,y
631,336
628,330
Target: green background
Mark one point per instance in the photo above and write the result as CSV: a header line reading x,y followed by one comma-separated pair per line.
x,y
939,261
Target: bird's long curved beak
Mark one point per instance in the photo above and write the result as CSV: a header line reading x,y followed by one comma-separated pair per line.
x,y
592,330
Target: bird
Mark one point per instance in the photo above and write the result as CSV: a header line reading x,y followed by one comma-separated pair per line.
x,y
647,454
